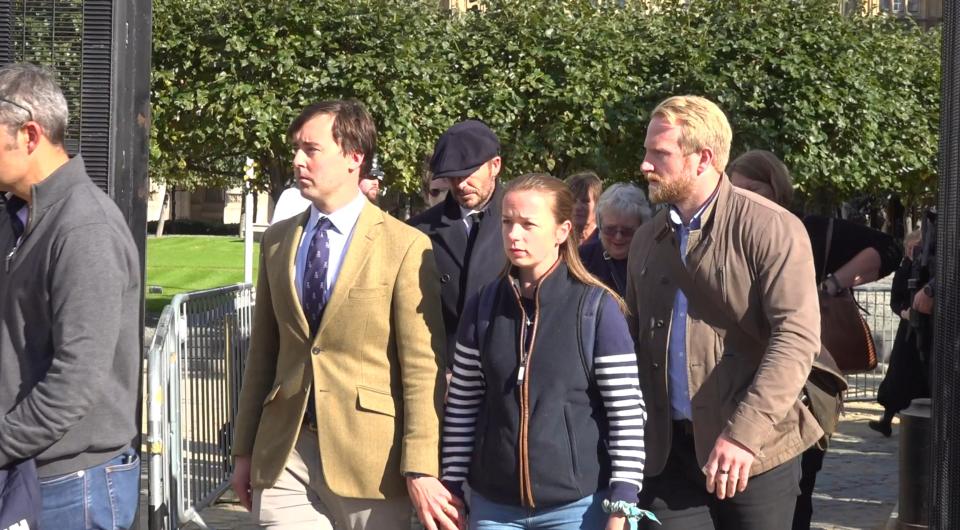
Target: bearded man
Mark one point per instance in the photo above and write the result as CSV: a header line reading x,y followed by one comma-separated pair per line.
x,y
726,320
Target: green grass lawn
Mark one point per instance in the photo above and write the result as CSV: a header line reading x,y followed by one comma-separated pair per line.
x,y
191,263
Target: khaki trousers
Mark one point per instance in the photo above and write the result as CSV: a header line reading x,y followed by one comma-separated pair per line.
x,y
301,499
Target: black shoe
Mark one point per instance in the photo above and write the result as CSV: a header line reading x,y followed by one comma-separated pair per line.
x,y
881,427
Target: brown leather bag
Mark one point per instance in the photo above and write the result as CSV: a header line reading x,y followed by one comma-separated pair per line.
x,y
843,330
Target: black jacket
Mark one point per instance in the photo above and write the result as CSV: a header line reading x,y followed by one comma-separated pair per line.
x,y
462,275
612,272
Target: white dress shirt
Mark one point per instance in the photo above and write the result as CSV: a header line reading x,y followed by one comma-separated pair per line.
x,y
343,221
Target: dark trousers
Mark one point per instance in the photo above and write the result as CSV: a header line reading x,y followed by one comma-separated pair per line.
x,y
811,462
678,496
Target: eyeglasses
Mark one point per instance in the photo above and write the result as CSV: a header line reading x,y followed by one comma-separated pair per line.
x,y
19,106
614,230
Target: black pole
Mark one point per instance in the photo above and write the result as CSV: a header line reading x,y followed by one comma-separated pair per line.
x,y
130,147
945,460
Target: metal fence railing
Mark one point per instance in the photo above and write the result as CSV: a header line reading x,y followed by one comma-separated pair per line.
x,y
194,368
875,300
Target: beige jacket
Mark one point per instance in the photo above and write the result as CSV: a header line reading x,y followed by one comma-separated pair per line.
x,y
375,361
751,264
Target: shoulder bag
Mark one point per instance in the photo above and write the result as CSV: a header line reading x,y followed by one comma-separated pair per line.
x,y
844,332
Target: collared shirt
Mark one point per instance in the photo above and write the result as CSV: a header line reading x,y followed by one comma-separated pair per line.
x,y
465,214
343,221
23,214
679,382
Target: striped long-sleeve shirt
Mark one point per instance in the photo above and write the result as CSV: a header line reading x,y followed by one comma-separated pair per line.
x,y
615,375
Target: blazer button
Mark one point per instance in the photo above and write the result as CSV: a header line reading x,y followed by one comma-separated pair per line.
x,y
656,366
315,350
444,278
659,323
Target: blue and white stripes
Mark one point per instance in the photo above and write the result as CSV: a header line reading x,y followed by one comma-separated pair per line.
x,y
464,398
616,377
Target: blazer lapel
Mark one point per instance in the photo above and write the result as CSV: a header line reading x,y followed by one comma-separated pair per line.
x,y
452,232
365,233
288,259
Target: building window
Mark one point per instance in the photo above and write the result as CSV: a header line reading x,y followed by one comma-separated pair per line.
x,y
913,6
898,6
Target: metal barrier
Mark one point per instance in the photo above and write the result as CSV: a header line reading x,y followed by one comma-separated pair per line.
x,y
875,300
195,364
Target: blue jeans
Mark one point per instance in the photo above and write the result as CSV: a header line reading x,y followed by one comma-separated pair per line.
x,y
584,514
103,497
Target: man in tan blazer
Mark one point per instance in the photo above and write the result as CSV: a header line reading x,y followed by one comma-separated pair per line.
x,y
338,424
725,314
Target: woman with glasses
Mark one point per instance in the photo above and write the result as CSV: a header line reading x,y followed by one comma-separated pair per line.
x,y
622,208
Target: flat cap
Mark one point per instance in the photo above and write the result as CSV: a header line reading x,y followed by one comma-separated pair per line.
x,y
463,148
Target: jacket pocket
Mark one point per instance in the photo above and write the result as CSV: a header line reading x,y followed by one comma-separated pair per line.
x,y
367,293
572,438
272,394
572,447
722,277
374,400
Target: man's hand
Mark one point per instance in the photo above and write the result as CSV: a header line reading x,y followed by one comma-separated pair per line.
x,y
923,303
436,507
616,521
728,467
240,481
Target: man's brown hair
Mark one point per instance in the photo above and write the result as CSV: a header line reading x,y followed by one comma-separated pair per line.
x,y
353,128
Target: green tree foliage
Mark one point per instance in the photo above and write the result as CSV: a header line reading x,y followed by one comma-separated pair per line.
x,y
851,103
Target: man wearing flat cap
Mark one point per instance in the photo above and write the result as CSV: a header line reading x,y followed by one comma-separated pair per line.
x,y
465,228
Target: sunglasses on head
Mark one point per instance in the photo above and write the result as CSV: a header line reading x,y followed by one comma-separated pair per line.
x,y
19,106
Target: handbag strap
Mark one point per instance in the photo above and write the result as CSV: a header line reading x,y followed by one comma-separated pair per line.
x,y
826,250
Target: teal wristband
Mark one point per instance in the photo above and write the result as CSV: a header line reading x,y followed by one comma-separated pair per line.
x,y
630,511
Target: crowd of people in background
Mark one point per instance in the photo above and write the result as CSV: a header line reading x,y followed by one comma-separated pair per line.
x,y
597,361
527,352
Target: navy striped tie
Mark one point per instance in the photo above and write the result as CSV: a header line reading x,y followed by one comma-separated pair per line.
x,y
315,275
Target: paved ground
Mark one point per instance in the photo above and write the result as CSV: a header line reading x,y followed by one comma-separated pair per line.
x,y
857,488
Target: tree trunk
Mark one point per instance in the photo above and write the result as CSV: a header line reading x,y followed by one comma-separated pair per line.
x,y
280,173
163,209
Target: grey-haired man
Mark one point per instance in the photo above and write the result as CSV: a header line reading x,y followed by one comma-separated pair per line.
x,y
69,317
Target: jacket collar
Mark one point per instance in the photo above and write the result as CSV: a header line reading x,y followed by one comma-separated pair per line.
x,y
55,188
451,229
452,211
366,231
553,285
715,211
702,214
